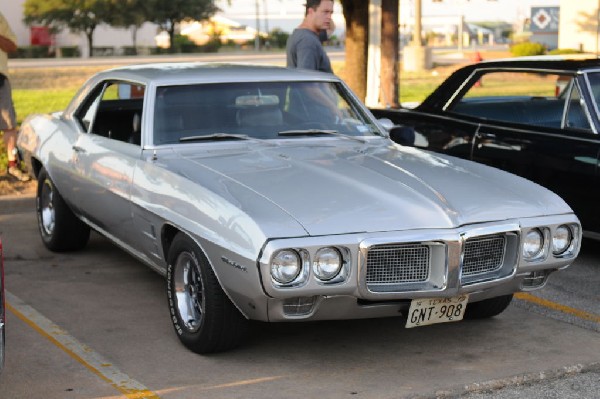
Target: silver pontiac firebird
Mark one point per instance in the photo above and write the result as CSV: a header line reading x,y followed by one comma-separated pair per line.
x,y
270,194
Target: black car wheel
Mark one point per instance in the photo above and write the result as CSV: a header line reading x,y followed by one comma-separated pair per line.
x,y
488,307
203,316
60,229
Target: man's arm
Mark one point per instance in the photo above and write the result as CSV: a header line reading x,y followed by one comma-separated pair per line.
x,y
7,45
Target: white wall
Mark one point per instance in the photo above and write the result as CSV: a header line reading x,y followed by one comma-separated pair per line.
x,y
103,35
579,25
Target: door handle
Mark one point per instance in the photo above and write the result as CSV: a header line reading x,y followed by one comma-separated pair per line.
x,y
78,149
486,135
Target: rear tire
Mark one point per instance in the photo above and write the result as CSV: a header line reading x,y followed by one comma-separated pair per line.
x,y
203,316
488,307
59,228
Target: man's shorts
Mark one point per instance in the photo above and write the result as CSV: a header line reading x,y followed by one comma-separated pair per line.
x,y
8,118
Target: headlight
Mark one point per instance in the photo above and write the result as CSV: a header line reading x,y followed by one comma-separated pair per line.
x,y
561,240
533,244
286,266
327,263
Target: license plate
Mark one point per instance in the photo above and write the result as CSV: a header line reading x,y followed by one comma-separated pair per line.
x,y
426,311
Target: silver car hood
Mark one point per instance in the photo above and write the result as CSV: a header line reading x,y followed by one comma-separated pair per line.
x,y
333,186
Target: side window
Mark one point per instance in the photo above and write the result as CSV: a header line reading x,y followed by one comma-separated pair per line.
x,y
85,115
530,98
575,117
593,78
114,110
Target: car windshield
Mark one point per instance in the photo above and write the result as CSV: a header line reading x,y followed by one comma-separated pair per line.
x,y
257,110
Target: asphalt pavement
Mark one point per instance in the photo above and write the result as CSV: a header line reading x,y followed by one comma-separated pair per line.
x,y
94,324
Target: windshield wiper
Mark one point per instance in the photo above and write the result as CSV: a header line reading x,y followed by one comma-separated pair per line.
x,y
218,136
311,132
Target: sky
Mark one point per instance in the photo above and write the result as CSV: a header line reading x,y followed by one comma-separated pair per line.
x,y
287,14
283,14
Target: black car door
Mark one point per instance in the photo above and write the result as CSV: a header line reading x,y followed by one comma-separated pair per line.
x,y
435,132
559,155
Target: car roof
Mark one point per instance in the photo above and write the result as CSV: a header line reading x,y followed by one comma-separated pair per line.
x,y
570,62
189,72
557,64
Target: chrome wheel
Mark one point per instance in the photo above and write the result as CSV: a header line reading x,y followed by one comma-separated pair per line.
x,y
46,208
59,228
189,292
204,318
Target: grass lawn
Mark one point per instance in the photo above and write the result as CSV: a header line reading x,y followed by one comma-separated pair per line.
x,y
43,90
31,101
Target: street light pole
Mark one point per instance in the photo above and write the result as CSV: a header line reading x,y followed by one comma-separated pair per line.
x,y
256,38
417,56
417,41
265,12
461,25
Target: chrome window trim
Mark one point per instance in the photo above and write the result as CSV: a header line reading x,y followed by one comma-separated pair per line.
x,y
591,98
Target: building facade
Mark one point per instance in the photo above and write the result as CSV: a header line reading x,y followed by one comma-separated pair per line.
x,y
579,25
104,35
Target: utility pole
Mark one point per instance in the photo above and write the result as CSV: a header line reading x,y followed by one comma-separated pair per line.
x,y
257,38
416,57
265,12
417,41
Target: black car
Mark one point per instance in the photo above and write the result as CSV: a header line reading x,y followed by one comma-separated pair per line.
x,y
535,117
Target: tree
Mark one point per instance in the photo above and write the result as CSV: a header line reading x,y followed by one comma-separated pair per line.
x,y
356,13
129,14
279,37
390,47
167,13
77,15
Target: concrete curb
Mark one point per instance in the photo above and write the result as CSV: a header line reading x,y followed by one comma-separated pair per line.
x,y
517,380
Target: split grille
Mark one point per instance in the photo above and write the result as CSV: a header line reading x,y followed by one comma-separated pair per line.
x,y
483,255
391,267
397,264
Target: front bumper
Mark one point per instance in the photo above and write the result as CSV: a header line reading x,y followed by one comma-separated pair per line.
x,y
354,297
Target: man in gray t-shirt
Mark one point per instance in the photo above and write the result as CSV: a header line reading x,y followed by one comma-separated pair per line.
x,y
304,49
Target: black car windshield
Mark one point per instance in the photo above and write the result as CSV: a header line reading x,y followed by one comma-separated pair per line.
x,y
259,110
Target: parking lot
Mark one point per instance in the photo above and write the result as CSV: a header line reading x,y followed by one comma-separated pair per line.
x,y
94,324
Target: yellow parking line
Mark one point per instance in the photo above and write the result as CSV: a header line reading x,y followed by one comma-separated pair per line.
x,y
82,353
557,306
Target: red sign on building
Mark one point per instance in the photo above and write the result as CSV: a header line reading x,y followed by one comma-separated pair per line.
x,y
40,36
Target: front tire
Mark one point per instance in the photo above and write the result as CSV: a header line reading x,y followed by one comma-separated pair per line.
x,y
59,228
488,307
203,316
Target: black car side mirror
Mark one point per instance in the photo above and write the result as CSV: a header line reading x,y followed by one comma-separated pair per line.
x,y
404,135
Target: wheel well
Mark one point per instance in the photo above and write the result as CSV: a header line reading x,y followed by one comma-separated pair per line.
x,y
36,165
167,236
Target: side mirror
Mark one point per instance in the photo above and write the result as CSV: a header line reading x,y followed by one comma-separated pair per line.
x,y
386,123
404,135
